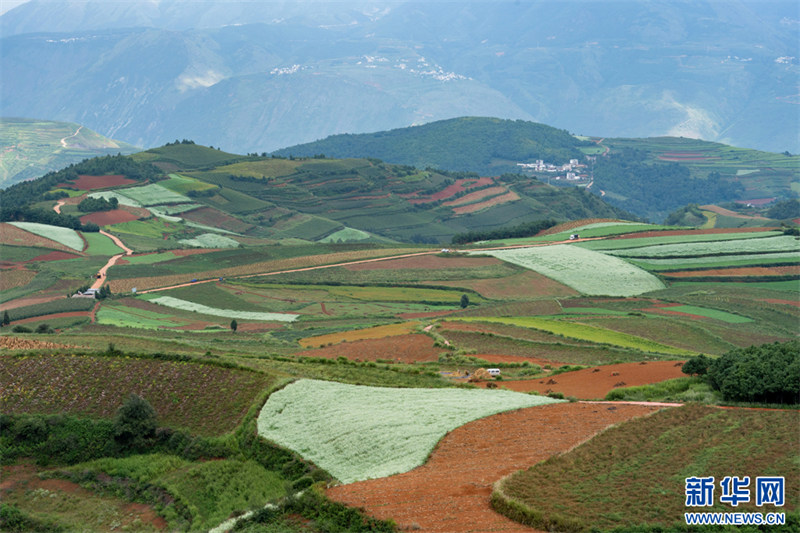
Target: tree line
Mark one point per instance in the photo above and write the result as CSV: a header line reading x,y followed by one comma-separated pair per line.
x,y
526,229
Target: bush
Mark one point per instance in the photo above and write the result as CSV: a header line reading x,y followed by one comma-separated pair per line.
x,y
21,329
135,422
696,365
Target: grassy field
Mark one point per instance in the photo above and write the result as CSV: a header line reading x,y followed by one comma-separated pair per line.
x,y
635,473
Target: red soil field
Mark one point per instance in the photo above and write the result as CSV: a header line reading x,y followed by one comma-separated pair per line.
x,y
595,383
53,256
401,348
477,195
193,251
795,303
22,302
451,190
212,217
450,493
497,200
428,262
107,218
788,270
88,183
728,213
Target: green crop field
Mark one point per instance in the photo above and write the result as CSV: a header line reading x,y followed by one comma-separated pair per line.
x,y
783,243
66,236
651,458
585,332
100,245
634,242
154,194
183,184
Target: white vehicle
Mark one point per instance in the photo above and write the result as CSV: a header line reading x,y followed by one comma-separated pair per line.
x,y
494,372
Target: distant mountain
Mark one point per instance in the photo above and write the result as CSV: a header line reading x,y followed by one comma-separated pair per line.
x,y
31,148
257,76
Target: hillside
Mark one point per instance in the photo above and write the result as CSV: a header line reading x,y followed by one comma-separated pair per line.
x,y
650,177
31,148
185,190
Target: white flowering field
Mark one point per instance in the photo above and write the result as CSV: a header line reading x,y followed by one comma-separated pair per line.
x,y
122,199
154,194
66,236
169,301
357,432
586,271
210,240
782,243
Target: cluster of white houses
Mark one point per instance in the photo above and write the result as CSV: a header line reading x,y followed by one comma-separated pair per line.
x,y
573,170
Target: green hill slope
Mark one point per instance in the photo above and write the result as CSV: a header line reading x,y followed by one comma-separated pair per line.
x,y
29,148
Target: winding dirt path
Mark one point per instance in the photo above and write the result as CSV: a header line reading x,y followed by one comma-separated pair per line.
x,y
450,493
103,272
64,139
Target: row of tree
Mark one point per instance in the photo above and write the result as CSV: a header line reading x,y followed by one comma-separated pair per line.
x,y
526,229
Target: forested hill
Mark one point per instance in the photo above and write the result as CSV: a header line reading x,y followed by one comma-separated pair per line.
x,y
488,146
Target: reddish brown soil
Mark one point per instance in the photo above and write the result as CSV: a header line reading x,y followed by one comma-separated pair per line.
x,y
212,217
429,262
88,183
497,200
53,316
194,251
795,303
17,343
53,256
451,491
595,383
429,314
728,213
22,477
107,218
477,195
22,302
792,270
451,190
401,348
15,277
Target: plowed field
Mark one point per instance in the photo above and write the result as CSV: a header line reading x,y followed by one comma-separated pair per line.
x,y
595,383
427,262
88,183
106,218
401,348
451,491
788,270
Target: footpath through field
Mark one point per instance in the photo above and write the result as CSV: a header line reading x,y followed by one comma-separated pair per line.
x,y
450,493
101,275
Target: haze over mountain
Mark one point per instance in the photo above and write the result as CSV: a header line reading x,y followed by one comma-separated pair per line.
x,y
258,76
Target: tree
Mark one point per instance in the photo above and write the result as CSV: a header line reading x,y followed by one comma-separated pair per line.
x,y
135,421
234,325
6,318
464,301
696,365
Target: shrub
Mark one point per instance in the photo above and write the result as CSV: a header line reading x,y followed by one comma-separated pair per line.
x,y
135,422
696,365
21,329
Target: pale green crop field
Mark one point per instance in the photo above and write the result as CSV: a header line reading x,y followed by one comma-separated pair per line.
x,y
66,236
100,245
176,303
588,272
357,432
640,242
154,194
782,243
210,240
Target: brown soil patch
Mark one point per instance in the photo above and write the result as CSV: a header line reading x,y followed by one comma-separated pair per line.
x,y
22,302
457,187
787,270
795,303
428,314
18,277
213,217
497,200
595,383
451,491
523,286
54,256
401,348
377,332
88,183
193,251
53,316
477,195
107,218
15,236
428,262
16,343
